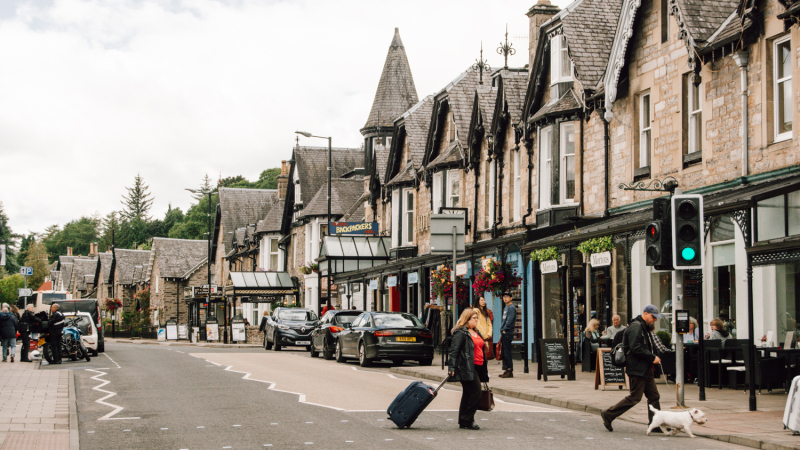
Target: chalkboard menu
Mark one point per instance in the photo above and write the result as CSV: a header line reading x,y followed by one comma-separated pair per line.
x,y
691,283
607,373
554,358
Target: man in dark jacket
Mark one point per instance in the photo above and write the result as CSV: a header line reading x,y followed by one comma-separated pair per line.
x,y
55,327
8,332
263,327
25,324
641,355
507,328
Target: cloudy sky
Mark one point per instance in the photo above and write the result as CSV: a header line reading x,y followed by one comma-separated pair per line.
x,y
93,92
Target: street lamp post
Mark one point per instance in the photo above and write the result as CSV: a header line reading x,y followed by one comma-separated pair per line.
x,y
208,259
330,166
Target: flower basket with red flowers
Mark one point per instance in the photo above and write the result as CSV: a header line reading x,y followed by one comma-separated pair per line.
x,y
113,304
442,286
495,278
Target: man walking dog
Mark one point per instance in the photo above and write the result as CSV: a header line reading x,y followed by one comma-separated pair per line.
x,y
641,355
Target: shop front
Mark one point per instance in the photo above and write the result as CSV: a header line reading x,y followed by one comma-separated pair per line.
x,y
201,308
258,291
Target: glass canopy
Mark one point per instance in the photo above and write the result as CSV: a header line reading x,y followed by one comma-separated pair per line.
x,y
348,253
258,284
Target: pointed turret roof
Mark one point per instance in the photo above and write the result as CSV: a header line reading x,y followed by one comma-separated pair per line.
x,y
396,91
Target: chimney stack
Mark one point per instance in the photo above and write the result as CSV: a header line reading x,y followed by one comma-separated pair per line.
x,y
69,251
283,180
540,13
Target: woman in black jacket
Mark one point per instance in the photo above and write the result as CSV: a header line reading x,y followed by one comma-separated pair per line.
x,y
467,364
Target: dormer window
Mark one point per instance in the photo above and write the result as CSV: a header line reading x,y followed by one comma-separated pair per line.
x,y
560,64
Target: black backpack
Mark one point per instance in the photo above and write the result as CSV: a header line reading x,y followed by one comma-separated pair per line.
x,y
619,356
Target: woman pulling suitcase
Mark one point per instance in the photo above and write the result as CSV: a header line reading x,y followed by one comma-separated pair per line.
x,y
467,364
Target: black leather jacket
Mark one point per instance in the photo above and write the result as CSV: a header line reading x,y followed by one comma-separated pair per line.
x,y
640,349
461,360
56,322
29,319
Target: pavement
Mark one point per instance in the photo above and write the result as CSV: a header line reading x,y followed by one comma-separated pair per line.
x,y
730,419
137,341
36,407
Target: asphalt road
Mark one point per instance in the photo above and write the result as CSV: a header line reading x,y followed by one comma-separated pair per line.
x,y
156,397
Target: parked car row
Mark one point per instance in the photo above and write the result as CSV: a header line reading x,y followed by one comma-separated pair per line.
x,y
347,334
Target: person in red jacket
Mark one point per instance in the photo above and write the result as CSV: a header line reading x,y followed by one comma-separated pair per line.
x,y
328,307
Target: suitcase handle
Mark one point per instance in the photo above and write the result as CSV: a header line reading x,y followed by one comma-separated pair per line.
x,y
441,384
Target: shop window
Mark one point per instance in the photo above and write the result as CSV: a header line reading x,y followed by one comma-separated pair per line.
x,y
545,166
661,297
515,201
723,230
778,216
782,88
787,278
408,213
453,189
621,285
567,163
553,306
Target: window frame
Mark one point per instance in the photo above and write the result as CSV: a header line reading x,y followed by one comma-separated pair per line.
x,y
408,215
397,206
517,185
562,169
438,187
545,190
492,192
645,129
776,99
786,206
452,176
270,254
559,51
694,117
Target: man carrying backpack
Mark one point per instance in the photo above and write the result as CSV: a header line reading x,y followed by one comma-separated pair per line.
x,y
641,356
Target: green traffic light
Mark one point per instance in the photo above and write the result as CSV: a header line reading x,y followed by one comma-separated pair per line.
x,y
688,254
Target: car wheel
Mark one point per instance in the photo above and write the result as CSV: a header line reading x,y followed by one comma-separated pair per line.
x,y
314,352
398,362
363,361
276,346
267,343
326,353
338,355
426,362
101,347
94,353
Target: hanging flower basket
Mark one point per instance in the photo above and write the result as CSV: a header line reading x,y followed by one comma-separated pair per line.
x,y
495,279
442,285
113,304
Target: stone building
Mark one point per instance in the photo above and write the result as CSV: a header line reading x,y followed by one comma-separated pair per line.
x,y
173,265
127,275
103,277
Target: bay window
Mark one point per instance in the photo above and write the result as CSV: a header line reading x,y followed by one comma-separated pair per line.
x,y
560,64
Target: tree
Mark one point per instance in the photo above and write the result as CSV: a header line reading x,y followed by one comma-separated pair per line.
x,y
8,237
111,226
195,223
160,228
137,203
231,181
268,179
37,258
24,244
205,187
9,286
77,234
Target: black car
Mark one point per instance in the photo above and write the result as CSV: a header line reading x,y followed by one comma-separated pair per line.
x,y
323,339
290,326
385,335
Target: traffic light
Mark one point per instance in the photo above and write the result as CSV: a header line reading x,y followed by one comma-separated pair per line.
x,y
657,237
687,231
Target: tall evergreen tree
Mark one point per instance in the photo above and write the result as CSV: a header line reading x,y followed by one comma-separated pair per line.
x,y
137,203
8,238
37,258
111,226
206,187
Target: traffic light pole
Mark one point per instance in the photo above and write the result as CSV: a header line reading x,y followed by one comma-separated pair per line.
x,y
677,291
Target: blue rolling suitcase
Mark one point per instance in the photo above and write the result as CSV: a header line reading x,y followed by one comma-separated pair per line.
x,y
410,403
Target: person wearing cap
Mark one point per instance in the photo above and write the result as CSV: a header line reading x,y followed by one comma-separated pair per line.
x,y
507,327
641,356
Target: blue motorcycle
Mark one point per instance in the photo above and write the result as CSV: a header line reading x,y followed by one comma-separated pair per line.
x,y
71,343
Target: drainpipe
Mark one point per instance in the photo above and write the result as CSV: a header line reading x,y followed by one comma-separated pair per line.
x,y
741,58
477,172
529,146
607,143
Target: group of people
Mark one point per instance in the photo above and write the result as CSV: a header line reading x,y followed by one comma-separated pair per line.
x,y
11,323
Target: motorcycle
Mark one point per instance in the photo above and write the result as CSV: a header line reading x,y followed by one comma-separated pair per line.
x,y
71,343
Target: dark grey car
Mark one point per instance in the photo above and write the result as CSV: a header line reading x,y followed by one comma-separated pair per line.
x,y
290,327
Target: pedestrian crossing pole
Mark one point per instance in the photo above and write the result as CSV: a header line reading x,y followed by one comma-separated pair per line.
x,y
677,289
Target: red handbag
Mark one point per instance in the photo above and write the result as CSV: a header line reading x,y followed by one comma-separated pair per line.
x,y
499,353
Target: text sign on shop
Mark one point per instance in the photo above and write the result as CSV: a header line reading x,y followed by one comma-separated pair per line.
x,y
413,278
549,266
461,269
601,259
172,330
373,285
392,281
346,228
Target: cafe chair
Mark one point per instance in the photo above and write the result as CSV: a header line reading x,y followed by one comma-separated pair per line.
x,y
731,356
769,371
712,358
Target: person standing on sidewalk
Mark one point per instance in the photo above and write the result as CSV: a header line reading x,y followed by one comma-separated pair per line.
x,y
8,333
25,325
263,327
641,356
485,320
507,328
55,326
466,363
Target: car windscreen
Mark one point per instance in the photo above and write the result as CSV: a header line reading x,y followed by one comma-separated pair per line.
x,y
83,323
297,315
345,318
397,321
47,298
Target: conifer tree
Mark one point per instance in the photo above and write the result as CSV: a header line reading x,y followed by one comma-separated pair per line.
x,y
137,203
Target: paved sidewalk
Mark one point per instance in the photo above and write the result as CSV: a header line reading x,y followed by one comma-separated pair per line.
x,y
179,343
35,408
727,410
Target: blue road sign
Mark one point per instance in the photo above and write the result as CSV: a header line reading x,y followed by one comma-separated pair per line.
x,y
26,271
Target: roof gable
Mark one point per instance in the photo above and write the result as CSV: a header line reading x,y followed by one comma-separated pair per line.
x,y
411,129
456,98
176,257
344,194
589,29
311,166
241,207
126,261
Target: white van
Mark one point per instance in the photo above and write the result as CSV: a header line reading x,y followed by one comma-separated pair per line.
x,y
88,330
43,299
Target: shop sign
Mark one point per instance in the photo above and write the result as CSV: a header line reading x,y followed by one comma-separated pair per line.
x,y
413,278
461,269
346,228
373,285
549,266
238,333
601,259
183,332
357,287
172,330
392,281
212,329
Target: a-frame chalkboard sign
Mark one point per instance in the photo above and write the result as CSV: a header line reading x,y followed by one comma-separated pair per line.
x,y
607,374
554,358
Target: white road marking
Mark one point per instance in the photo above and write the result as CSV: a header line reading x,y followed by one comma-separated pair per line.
x,y
548,437
90,432
309,443
388,439
519,420
345,421
267,445
309,422
110,394
227,447
125,430
115,363
237,425
200,427
273,424
349,441
178,351
590,438
509,437
165,428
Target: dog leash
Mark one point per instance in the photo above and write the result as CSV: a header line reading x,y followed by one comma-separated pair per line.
x,y
667,383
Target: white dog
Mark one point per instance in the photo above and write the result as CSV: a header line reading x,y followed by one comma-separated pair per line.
x,y
677,420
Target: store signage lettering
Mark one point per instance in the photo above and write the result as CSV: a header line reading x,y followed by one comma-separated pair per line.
x,y
461,269
392,281
549,266
344,228
413,278
601,259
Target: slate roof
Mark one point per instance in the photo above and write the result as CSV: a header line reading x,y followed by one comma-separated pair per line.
x,y
415,122
396,91
514,84
54,274
105,266
487,96
241,207
66,272
311,166
344,193
65,260
177,256
641,216
590,28
272,220
239,236
794,9
408,174
568,102
704,17
381,160
453,153
460,94
82,268
356,212
137,274
126,260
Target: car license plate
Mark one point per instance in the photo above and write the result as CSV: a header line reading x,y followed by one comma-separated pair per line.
x,y
407,339
302,343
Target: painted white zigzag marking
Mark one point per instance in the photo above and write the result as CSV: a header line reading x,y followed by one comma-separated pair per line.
x,y
110,394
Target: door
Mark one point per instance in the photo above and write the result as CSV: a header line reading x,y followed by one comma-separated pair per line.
x,y
348,335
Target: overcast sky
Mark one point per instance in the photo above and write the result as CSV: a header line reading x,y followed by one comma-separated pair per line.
x,y
94,92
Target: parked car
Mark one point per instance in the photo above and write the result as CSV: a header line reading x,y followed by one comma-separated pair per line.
x,y
323,339
385,335
91,306
89,334
290,326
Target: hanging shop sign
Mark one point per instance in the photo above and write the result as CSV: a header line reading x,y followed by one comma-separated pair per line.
x,y
549,266
601,259
461,269
413,278
346,228
373,285
392,281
